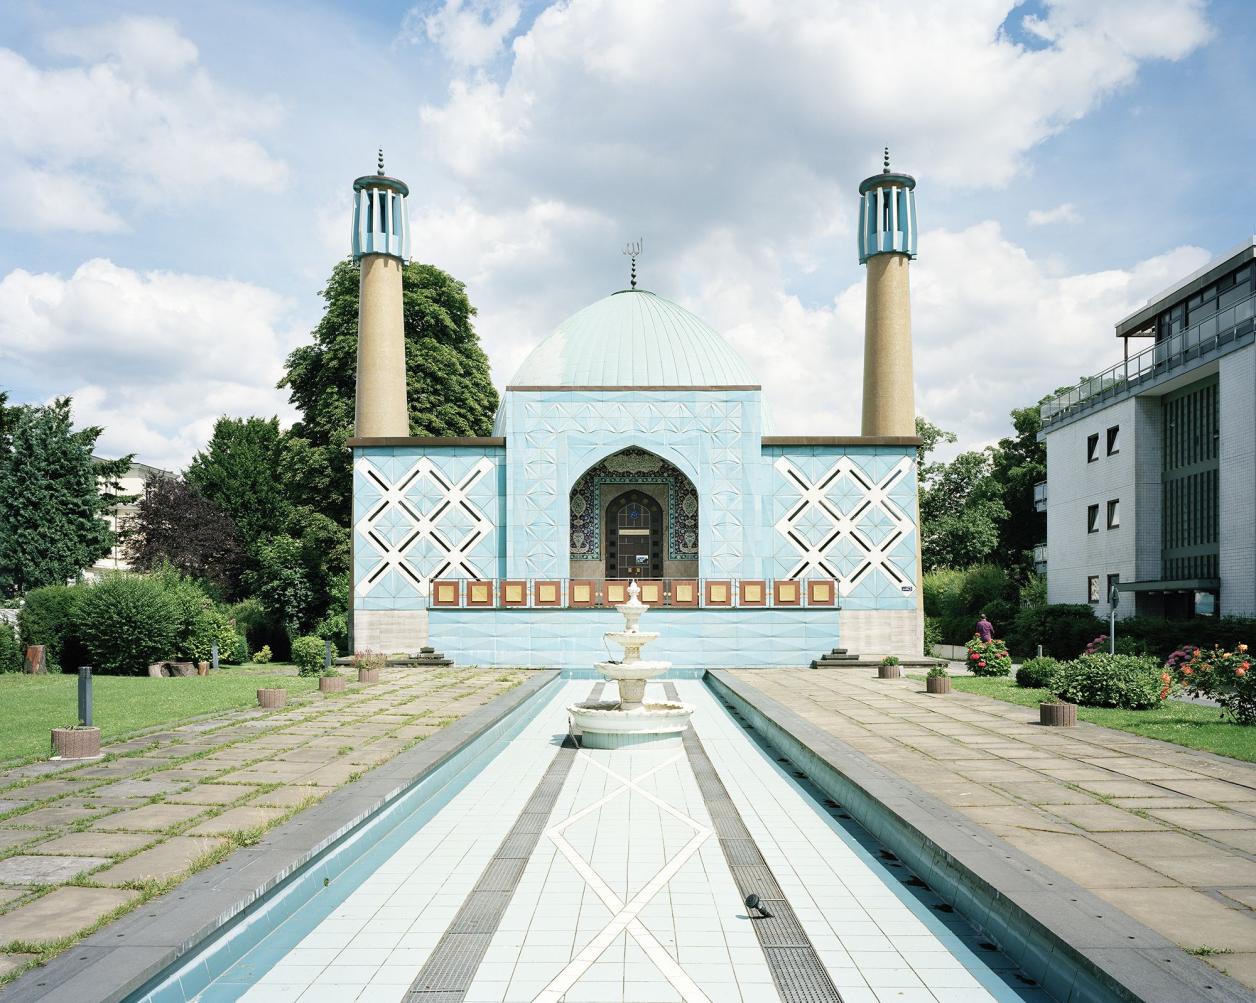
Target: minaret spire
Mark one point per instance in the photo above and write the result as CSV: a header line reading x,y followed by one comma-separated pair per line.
x,y
884,170
380,169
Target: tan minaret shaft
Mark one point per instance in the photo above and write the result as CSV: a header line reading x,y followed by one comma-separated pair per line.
x,y
381,246
889,401
381,397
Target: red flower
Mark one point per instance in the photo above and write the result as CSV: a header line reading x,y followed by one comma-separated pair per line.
x,y
981,664
1187,670
1164,677
974,656
1240,671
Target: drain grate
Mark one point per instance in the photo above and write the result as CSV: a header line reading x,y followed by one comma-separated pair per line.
x,y
796,968
449,971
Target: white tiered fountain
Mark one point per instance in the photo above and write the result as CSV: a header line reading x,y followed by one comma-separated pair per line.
x,y
612,724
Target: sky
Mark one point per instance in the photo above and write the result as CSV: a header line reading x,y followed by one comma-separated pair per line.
x,y
175,184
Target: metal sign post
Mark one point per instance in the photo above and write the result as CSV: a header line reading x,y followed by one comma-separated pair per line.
x,y
85,695
1114,600
213,656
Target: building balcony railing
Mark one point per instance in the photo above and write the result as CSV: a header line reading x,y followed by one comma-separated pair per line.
x,y
1040,559
1218,334
1040,496
665,593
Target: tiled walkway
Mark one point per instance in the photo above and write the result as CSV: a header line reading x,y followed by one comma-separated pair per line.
x,y
627,895
81,842
1166,834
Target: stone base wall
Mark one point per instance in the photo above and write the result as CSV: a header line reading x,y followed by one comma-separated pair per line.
x,y
391,631
882,632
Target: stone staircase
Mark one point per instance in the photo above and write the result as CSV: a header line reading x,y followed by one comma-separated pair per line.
x,y
429,658
838,658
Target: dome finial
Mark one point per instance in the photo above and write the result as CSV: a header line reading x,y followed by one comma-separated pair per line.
x,y
886,168
633,250
380,170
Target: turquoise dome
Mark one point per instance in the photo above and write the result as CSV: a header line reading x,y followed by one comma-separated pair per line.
x,y
633,338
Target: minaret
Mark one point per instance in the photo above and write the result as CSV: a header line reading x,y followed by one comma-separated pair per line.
x,y
887,242
381,242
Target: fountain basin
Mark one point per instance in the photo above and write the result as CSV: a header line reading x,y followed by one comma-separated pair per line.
x,y
605,726
632,670
631,638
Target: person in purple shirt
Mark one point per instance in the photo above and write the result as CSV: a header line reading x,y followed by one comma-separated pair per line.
x,y
985,629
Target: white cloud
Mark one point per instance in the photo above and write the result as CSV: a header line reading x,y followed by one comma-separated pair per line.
x,y
469,32
155,357
1065,212
136,120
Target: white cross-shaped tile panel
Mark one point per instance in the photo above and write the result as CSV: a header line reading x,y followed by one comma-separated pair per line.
x,y
815,524
422,545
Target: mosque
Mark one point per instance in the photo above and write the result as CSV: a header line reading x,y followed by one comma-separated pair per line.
x,y
631,445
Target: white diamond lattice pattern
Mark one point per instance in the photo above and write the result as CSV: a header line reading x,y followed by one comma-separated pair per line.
x,y
845,523
429,534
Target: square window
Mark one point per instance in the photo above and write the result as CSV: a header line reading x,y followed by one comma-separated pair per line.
x,y
1114,513
1092,588
1114,440
1092,448
1092,518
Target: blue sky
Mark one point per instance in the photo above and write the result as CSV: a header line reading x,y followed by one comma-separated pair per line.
x,y
174,183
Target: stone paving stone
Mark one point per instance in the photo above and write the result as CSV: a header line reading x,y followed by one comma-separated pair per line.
x,y
267,773
15,837
333,775
150,818
9,962
235,819
24,870
118,768
289,797
61,913
94,843
52,816
143,787
1204,818
163,861
1240,839
1104,818
1086,862
212,794
45,789
1199,919
1042,792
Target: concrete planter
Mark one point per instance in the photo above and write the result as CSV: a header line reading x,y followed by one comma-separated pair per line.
x,y
368,675
888,672
36,663
332,684
270,699
76,743
937,684
1058,715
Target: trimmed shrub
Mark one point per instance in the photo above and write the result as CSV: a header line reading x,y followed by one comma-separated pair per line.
x,y
933,635
1129,681
238,653
1037,673
307,653
988,658
126,623
262,655
47,617
10,649
1063,629
1162,637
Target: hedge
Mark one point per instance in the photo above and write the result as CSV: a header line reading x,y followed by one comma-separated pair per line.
x,y
1129,681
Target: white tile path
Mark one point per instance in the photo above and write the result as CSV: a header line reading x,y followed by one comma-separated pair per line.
x,y
627,898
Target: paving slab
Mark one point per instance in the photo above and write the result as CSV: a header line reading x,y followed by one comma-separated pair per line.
x,y
1201,920
28,870
61,913
94,843
237,819
11,962
165,860
212,794
290,797
150,818
52,816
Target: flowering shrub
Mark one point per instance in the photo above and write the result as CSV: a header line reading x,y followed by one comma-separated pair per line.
x,y
1224,676
1096,646
1134,682
368,659
988,658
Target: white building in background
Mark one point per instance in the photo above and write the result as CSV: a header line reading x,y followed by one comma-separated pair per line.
x,y
131,483
1151,465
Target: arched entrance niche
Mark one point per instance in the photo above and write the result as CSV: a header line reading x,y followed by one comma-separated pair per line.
x,y
642,491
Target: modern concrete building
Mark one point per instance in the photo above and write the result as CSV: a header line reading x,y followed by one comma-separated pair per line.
x,y
632,443
1151,465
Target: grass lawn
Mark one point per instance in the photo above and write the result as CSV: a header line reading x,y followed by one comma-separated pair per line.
x,y
1194,725
31,706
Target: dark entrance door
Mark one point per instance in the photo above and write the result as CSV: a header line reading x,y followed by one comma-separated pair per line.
x,y
634,537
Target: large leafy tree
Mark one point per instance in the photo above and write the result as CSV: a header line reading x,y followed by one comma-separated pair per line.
x,y
1020,462
961,506
53,496
175,524
447,376
239,472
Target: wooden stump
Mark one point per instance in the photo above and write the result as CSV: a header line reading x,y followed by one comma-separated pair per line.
x,y
1058,715
270,699
332,684
368,675
36,663
76,743
937,684
887,672
202,668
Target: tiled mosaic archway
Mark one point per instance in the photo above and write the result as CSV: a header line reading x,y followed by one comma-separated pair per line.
x,y
633,466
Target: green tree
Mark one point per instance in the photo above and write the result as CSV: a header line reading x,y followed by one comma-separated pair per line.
x,y
448,385
961,506
280,579
178,525
1020,462
53,496
239,471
